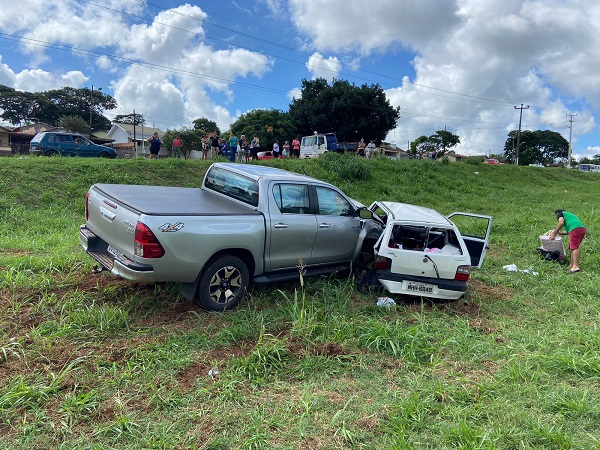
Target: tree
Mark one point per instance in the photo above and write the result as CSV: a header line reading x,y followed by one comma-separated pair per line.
x,y
350,111
131,119
74,124
593,160
206,125
50,106
537,147
268,124
191,138
22,106
437,143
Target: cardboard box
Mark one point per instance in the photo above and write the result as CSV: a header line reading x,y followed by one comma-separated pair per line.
x,y
553,245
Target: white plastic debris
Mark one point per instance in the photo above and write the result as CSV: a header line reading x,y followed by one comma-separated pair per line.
x,y
385,301
514,268
213,372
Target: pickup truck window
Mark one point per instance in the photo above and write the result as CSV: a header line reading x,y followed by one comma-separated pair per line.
x,y
292,198
233,185
331,203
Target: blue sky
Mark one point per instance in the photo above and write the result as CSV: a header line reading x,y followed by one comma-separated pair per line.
x,y
459,65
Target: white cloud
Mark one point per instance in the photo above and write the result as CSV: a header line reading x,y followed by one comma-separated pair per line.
x,y
295,93
39,80
7,76
372,25
319,67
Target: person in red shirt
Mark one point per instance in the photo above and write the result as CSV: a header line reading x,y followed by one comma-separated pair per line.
x,y
177,147
296,147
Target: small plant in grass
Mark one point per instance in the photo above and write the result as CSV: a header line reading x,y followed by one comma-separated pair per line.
x,y
266,361
10,350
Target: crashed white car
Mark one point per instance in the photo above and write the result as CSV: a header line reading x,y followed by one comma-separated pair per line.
x,y
421,252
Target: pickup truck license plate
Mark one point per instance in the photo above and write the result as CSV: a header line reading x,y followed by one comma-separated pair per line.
x,y
421,288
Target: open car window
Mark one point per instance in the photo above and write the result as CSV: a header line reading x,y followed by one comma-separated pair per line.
x,y
425,239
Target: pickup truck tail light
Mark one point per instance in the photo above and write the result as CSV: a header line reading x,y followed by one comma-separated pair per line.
x,y
146,245
462,273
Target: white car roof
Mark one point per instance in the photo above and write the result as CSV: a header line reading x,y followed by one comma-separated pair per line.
x,y
413,213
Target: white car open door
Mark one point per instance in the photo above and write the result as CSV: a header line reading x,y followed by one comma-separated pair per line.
x,y
475,230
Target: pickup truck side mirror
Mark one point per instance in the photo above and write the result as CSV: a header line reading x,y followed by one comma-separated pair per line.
x,y
364,213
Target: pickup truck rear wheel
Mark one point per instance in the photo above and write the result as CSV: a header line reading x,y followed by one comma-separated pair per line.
x,y
223,283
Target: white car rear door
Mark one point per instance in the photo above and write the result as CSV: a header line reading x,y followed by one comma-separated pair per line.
x,y
475,230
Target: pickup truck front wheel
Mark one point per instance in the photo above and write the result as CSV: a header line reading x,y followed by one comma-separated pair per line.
x,y
223,283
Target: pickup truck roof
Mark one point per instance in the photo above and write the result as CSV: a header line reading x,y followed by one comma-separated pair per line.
x,y
257,172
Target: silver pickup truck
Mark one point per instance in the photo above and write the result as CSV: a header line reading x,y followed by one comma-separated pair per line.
x,y
247,223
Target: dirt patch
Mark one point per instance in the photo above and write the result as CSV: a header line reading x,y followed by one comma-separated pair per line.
x,y
489,292
215,358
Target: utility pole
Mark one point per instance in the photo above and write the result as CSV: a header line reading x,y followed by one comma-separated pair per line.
x,y
570,138
91,106
519,133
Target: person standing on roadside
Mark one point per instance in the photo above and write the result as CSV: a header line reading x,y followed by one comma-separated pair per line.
x,y
233,143
205,147
296,147
177,147
154,142
286,150
574,228
255,147
276,149
370,149
214,146
243,148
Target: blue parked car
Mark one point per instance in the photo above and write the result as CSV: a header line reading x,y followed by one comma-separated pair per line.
x,y
51,143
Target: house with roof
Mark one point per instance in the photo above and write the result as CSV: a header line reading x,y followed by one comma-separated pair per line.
x,y
5,149
20,137
130,140
455,157
393,152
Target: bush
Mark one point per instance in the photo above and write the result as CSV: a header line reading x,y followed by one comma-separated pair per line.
x,y
346,166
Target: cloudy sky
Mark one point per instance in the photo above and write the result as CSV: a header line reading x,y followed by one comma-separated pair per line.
x,y
459,65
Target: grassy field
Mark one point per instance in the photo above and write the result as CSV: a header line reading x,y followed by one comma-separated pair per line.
x,y
89,361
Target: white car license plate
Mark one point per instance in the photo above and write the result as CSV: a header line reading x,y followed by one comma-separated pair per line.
x,y
420,288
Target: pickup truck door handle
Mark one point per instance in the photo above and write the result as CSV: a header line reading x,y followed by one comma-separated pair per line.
x,y
281,225
324,225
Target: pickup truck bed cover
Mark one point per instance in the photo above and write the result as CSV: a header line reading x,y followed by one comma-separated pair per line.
x,y
171,201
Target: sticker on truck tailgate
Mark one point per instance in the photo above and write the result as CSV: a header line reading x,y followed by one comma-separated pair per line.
x,y
171,227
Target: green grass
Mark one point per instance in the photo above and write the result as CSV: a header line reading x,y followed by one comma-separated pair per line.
x,y
90,361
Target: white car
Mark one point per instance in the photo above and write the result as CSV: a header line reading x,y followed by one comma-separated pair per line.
x,y
421,252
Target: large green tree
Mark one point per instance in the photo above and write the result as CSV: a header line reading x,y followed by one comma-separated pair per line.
x,y
351,111
437,143
206,125
268,124
191,138
537,147
131,119
74,124
593,160
50,106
